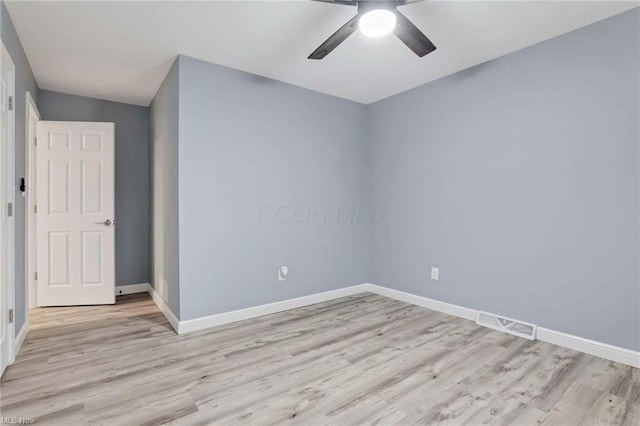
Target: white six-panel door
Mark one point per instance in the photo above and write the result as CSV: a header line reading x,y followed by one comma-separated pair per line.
x,y
75,213
7,190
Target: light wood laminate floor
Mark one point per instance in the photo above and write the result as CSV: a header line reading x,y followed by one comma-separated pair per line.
x,y
363,359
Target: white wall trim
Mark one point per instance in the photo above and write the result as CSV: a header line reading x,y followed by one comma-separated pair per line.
x,y
270,308
164,308
17,344
591,347
31,286
435,305
132,288
580,344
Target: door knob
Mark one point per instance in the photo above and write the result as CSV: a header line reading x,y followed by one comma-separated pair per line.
x,y
105,223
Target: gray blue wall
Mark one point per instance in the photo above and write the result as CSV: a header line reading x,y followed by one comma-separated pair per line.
x,y
269,174
24,82
132,180
165,269
519,178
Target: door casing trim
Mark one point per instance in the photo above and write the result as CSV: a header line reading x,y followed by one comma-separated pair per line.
x,y
30,182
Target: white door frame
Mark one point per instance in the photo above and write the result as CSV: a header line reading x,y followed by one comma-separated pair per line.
x,y
9,190
31,113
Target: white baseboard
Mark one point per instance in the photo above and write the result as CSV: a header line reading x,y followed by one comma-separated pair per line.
x,y
434,305
591,347
19,340
164,308
580,344
270,308
131,289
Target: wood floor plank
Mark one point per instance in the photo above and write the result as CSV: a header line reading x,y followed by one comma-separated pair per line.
x,y
610,409
573,407
362,359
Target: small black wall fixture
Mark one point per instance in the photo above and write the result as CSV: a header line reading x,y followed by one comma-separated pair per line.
x,y
23,187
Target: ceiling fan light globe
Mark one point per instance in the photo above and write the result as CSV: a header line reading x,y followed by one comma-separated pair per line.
x,y
377,23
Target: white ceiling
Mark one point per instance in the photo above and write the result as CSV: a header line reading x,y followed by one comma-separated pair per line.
x,y
121,51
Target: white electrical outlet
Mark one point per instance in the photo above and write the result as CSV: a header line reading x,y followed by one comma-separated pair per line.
x,y
282,273
435,273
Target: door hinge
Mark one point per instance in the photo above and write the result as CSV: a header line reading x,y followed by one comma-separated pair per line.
x,y
10,316
36,276
10,103
35,208
35,141
10,209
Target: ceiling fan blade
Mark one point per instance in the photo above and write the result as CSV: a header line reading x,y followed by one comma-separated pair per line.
x,y
412,36
338,37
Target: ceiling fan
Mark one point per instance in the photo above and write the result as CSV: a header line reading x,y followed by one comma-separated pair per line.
x,y
377,18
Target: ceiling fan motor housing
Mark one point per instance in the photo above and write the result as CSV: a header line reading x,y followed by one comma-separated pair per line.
x,y
366,6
